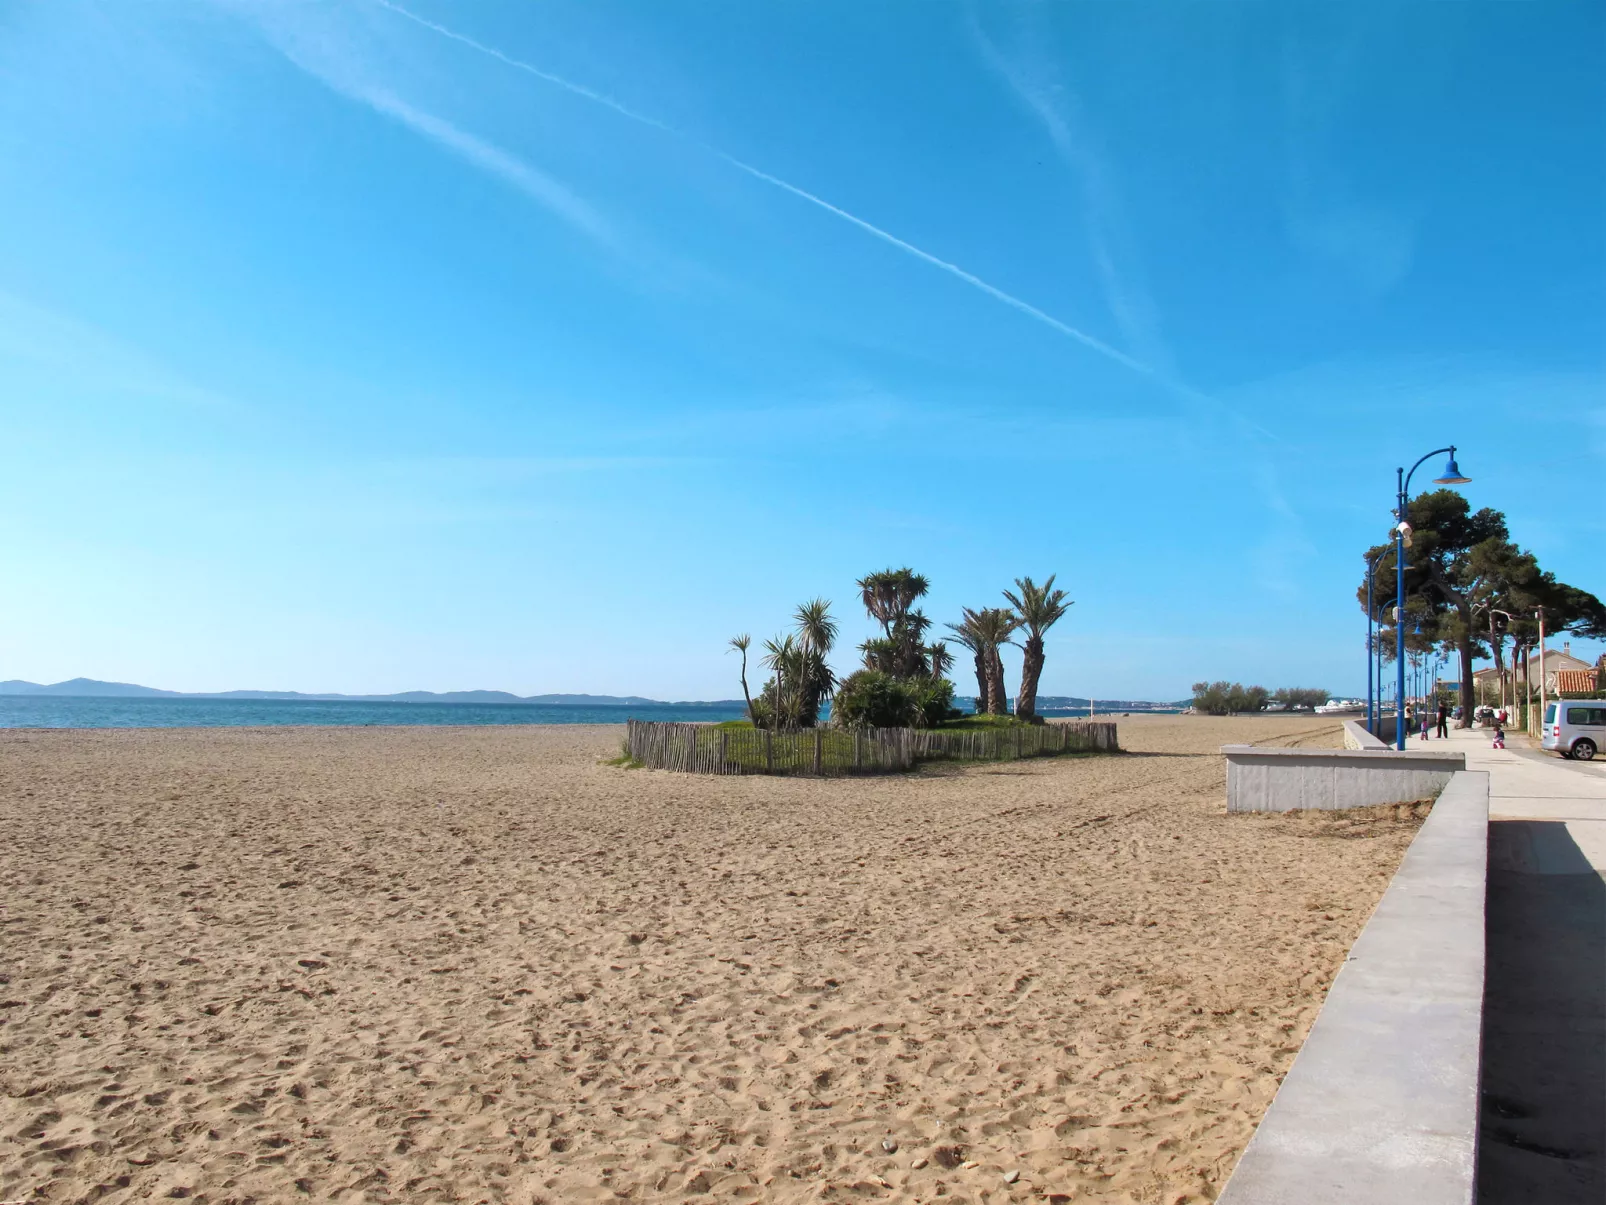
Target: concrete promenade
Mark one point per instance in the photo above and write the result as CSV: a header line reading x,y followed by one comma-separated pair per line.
x,y
1543,1123
1382,1104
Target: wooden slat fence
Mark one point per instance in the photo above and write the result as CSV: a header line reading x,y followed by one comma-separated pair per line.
x,y
830,752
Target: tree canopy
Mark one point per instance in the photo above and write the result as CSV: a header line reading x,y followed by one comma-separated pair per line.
x,y
1468,587
1228,698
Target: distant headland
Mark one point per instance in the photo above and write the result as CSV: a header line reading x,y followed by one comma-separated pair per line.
x,y
91,688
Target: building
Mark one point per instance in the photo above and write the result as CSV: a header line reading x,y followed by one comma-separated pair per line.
x,y
1558,662
1576,681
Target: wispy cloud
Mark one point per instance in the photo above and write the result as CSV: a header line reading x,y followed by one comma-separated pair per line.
x,y
530,69
512,470
803,194
532,182
38,345
1058,110
330,54
1369,242
1037,84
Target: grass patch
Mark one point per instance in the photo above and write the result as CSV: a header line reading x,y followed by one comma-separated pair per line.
x,y
982,721
736,747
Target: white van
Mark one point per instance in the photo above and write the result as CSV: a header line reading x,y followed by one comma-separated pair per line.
x,y
1575,727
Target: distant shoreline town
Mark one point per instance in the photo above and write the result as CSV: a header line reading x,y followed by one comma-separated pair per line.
x,y
94,689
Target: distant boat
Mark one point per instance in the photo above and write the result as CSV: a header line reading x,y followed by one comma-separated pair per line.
x,y
1341,707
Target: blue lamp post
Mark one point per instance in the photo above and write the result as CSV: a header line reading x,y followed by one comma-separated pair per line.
x,y
1374,704
1402,541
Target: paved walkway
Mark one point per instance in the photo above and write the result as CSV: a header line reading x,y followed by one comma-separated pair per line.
x,y
1544,1074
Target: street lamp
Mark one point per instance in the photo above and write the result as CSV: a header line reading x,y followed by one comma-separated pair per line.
x,y
1510,619
1374,705
1402,541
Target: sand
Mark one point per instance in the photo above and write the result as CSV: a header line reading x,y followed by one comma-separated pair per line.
x,y
476,964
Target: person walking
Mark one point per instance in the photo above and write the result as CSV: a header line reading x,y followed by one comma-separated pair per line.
x,y
1444,721
1427,718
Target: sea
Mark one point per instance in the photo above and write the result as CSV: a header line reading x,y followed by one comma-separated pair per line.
x,y
74,711
84,711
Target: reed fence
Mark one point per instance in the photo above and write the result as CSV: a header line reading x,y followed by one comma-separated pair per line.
x,y
830,752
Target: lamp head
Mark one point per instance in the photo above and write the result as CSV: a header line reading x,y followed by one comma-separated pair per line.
x,y
1452,472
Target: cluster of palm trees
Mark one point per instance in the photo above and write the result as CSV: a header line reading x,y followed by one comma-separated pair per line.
x,y
900,651
1033,609
801,680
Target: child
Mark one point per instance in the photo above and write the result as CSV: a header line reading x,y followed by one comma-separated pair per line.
x,y
1426,714
1499,735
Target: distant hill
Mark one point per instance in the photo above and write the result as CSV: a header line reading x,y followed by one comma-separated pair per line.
x,y
90,688
83,686
1072,703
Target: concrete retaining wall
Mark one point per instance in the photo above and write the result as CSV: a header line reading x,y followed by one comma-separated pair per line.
x,y
1280,780
1381,1105
1357,737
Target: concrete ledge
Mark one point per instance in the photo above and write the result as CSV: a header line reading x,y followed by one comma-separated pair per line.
x,y
1381,1105
1357,737
1280,780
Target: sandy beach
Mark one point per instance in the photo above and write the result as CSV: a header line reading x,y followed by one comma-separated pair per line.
x,y
477,964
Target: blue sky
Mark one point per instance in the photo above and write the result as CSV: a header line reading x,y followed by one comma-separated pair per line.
x,y
349,346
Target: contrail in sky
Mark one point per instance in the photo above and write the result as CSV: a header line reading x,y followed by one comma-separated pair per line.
x,y
976,282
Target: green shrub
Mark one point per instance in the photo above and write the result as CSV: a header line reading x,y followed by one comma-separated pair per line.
x,y
763,709
872,699
935,698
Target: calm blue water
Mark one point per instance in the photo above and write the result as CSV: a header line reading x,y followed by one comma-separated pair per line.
x,y
29,711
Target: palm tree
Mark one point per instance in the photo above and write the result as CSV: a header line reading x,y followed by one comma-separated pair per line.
x,y
816,634
966,634
741,644
998,624
1039,608
801,680
889,597
984,632
816,630
783,659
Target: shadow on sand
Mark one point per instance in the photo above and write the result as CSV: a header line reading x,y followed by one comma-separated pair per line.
x,y
1542,1134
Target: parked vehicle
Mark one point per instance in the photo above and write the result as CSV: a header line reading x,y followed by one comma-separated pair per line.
x,y
1575,727
1340,707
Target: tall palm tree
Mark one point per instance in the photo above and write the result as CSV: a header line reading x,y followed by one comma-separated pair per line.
x,y
741,644
816,630
998,624
816,634
784,660
889,598
801,679
889,594
966,634
984,632
1039,608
